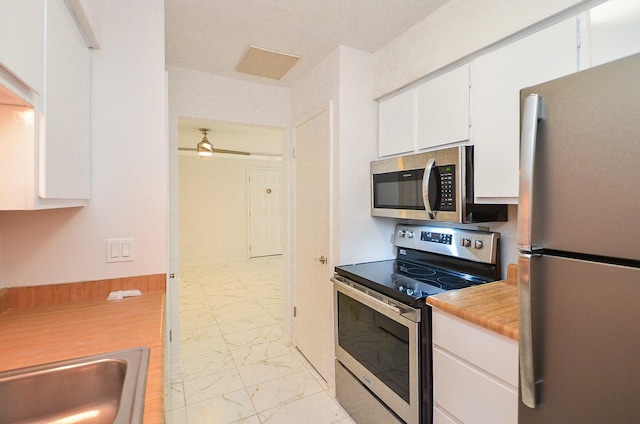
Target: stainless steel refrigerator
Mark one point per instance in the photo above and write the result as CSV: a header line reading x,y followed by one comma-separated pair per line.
x,y
579,248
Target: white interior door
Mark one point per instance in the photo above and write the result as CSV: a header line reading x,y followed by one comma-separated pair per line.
x,y
313,329
265,211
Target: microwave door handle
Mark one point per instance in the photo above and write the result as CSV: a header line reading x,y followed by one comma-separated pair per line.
x,y
426,181
531,115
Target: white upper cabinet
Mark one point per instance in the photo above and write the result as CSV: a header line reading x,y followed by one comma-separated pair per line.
x,y
46,160
22,45
443,109
614,31
397,117
432,114
67,108
497,79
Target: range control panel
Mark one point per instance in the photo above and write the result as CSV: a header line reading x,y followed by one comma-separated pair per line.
x,y
475,245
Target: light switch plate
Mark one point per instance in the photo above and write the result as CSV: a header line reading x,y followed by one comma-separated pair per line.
x,y
120,250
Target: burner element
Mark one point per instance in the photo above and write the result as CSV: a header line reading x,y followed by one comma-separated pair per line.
x,y
454,282
415,288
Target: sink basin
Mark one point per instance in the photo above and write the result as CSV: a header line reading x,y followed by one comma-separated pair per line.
x,y
104,388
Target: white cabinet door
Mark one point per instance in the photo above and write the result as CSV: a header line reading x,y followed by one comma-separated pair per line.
x,y
46,164
497,79
443,109
470,395
22,45
397,124
475,373
614,30
65,161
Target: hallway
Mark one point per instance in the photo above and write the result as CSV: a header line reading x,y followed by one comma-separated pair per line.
x,y
237,366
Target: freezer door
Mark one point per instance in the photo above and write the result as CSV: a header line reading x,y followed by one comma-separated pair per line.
x,y
585,319
585,171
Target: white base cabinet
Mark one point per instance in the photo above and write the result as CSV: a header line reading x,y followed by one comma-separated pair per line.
x,y
475,373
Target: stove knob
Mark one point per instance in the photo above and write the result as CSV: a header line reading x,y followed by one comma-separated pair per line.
x,y
478,244
408,234
465,242
401,233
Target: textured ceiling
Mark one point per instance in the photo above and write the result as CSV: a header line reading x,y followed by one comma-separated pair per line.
x,y
212,35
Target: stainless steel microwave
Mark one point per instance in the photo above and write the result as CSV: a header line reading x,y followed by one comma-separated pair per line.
x,y
430,186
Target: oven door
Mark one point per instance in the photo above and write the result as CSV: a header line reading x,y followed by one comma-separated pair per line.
x,y
377,339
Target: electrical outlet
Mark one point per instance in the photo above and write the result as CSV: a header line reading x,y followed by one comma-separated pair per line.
x,y
120,250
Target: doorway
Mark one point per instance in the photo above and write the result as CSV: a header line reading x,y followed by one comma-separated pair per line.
x,y
214,196
208,201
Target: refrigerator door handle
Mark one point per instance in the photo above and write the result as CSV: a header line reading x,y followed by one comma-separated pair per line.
x,y
532,113
525,333
426,181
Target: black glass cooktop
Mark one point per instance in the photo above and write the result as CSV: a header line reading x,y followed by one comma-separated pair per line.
x,y
407,281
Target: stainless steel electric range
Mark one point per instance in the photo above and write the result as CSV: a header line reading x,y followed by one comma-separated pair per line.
x,y
383,324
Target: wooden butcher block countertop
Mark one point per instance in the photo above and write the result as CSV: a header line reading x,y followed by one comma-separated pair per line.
x,y
43,334
493,306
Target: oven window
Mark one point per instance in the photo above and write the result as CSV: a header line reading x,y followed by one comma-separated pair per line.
x,y
380,344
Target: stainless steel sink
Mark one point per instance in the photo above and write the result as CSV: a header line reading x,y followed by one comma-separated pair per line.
x,y
104,388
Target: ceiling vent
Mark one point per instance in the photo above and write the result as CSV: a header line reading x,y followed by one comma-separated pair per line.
x,y
266,63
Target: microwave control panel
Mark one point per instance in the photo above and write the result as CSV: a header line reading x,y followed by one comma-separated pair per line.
x,y
447,179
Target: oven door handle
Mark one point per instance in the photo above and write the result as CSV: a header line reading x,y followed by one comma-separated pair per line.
x,y
407,312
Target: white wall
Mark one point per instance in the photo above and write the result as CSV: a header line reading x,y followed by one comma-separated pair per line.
x,y
129,148
345,76
213,207
457,29
362,237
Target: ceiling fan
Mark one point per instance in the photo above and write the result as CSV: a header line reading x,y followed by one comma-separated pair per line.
x,y
205,148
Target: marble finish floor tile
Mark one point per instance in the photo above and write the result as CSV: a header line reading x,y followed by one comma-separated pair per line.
x,y
254,336
203,347
199,333
269,369
275,393
237,368
232,407
259,352
202,366
247,324
210,386
318,408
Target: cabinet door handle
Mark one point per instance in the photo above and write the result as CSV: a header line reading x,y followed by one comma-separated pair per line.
x,y
321,259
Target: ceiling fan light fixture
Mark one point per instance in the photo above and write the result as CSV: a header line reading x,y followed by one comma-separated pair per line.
x,y
205,148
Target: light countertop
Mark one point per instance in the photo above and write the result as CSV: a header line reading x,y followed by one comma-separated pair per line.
x,y
493,306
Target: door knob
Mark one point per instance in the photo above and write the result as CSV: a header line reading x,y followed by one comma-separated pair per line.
x,y
321,259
